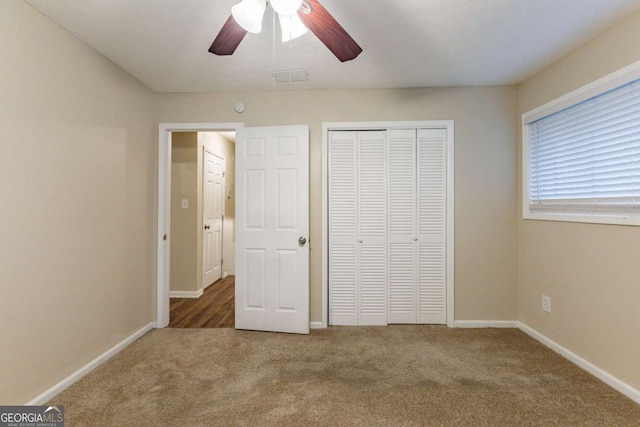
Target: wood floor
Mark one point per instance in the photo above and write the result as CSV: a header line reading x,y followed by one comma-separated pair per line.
x,y
214,309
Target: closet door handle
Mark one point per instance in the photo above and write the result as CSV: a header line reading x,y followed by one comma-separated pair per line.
x,y
359,240
415,239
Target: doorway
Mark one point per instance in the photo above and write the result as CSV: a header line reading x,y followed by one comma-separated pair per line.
x,y
196,284
272,285
202,237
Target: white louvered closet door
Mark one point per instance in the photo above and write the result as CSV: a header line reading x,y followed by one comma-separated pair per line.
x,y
343,207
432,229
372,227
357,228
387,226
417,226
402,227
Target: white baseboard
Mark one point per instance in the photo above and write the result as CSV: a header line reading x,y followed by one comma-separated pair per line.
x,y
77,375
485,324
186,294
607,378
316,325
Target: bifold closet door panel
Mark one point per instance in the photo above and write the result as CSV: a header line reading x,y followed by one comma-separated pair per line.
x,y
432,228
402,227
417,226
372,228
343,193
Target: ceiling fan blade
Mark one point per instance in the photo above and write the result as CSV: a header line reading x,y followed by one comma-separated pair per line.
x,y
329,31
228,38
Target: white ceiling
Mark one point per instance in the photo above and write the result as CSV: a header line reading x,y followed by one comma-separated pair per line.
x,y
407,43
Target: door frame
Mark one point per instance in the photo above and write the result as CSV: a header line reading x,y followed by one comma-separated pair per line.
x,y
164,208
429,124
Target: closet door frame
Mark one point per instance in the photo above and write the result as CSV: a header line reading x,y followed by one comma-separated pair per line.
x,y
355,126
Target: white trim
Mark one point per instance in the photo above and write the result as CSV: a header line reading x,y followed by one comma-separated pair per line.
x,y
624,388
589,219
317,325
486,323
426,124
164,208
80,373
450,224
186,294
431,124
611,81
163,224
325,227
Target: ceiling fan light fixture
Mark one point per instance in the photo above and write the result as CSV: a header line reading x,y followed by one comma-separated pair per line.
x,y
248,14
291,27
286,7
247,17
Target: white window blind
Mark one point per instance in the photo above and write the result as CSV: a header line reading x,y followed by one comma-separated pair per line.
x,y
585,159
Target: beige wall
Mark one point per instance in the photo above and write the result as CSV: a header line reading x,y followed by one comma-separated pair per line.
x,y
217,144
591,272
485,176
78,213
184,222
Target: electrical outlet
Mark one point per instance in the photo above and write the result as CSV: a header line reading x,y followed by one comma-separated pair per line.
x,y
546,303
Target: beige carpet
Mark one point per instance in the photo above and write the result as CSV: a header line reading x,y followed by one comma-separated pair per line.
x,y
355,376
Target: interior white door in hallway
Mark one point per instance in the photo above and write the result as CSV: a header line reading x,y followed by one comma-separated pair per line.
x,y
213,175
272,229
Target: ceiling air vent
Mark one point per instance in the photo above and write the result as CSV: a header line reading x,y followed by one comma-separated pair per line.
x,y
289,76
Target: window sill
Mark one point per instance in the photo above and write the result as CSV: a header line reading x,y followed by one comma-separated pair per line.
x,y
590,219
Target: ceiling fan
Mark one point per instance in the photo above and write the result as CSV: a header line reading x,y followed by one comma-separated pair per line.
x,y
295,16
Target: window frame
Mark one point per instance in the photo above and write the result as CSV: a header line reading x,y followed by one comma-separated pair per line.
x,y
595,88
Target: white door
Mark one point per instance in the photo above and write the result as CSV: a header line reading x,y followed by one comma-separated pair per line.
x,y
272,252
212,216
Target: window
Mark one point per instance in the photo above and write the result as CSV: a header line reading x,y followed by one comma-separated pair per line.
x,y
582,154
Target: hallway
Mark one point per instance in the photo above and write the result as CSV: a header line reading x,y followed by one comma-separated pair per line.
x,y
214,309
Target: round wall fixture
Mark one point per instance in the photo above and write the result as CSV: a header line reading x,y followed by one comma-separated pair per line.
x,y
239,107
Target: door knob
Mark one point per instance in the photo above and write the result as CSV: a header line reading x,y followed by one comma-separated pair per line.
x,y
359,240
302,241
415,239
206,227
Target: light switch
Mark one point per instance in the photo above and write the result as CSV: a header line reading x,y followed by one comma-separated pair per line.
x,y
185,203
